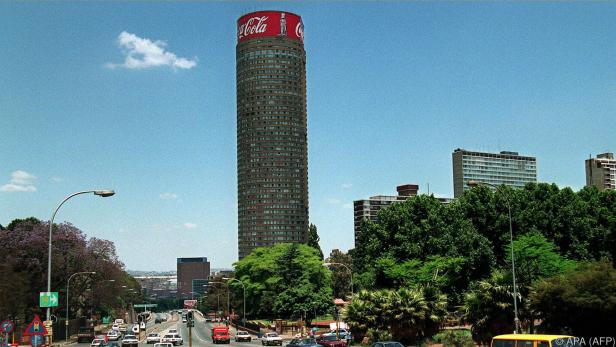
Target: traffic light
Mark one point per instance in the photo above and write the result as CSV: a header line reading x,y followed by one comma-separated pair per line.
x,y
190,315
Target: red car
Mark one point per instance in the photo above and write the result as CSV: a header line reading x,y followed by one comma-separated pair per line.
x,y
331,341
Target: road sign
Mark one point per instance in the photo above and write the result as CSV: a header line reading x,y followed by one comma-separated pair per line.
x,y
7,326
144,305
36,327
36,340
48,299
49,326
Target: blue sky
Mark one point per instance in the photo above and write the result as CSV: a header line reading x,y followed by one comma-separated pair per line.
x,y
393,88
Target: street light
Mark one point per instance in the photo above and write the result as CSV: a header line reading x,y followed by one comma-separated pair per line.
x,y
68,283
244,290
516,321
345,266
100,192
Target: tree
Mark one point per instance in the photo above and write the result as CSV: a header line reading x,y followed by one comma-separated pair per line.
x,y
535,258
405,314
24,260
417,231
341,277
284,281
488,307
313,239
581,302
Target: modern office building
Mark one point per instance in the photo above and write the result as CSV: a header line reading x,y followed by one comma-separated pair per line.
x,y
506,168
601,171
272,153
192,277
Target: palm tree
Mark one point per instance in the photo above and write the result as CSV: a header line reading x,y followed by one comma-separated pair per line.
x,y
488,308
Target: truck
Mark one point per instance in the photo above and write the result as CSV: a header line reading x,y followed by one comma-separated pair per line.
x,y
220,334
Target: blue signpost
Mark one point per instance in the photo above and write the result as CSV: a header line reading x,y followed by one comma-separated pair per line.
x,y
6,328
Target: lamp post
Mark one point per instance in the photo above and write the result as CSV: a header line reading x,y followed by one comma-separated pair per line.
x,y
346,267
516,321
100,192
207,285
68,283
244,290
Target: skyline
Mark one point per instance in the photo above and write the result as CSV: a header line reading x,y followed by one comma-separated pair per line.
x,y
140,98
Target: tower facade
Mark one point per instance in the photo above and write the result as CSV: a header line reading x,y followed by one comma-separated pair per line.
x,y
272,148
601,171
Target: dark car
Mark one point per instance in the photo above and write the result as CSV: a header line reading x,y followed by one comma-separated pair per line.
x,y
158,320
303,343
331,341
387,344
112,344
85,334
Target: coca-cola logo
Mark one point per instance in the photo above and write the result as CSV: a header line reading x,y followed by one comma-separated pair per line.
x,y
255,25
299,30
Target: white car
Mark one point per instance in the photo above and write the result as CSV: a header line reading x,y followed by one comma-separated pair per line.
x,y
152,338
271,339
172,331
174,339
97,343
115,327
113,335
130,340
163,344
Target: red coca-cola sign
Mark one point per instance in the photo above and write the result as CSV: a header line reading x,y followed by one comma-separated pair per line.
x,y
270,23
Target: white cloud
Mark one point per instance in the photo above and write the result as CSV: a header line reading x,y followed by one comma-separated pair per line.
x,y
21,181
348,205
56,179
346,185
190,225
143,53
168,196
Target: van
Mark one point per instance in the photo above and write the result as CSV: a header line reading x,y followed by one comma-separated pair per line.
x,y
535,340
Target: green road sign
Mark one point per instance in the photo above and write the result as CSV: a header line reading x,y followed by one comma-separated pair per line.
x,y
145,305
48,299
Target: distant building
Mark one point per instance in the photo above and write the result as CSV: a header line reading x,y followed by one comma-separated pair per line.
x,y
192,277
369,208
158,286
504,168
601,171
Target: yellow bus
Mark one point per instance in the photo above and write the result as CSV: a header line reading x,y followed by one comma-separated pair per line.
x,y
535,340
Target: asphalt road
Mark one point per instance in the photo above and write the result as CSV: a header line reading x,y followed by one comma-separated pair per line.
x,y
201,333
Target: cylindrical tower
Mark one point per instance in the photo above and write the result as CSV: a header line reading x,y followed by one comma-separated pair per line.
x,y
272,149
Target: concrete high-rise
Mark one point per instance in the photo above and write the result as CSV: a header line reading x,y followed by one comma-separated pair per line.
x,y
192,277
506,168
272,152
601,171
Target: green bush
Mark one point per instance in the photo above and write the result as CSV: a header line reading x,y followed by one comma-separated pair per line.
x,y
454,338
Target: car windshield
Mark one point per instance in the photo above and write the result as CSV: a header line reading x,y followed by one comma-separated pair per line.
x,y
330,338
393,344
272,335
153,335
308,342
